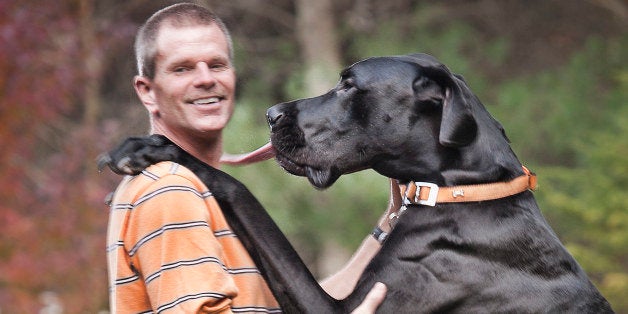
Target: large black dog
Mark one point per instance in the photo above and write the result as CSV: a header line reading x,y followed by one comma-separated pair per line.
x,y
408,118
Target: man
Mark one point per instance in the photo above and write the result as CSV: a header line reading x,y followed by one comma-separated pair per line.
x,y
169,247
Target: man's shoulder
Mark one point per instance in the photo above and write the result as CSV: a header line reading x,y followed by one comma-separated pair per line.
x,y
166,168
169,171
159,177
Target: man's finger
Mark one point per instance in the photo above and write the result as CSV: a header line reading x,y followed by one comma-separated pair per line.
x,y
372,300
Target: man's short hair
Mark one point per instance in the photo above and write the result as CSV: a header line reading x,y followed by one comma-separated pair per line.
x,y
178,15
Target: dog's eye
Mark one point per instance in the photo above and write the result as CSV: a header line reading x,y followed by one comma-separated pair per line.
x,y
347,85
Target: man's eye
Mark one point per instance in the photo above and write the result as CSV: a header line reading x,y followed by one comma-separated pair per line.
x,y
218,66
181,69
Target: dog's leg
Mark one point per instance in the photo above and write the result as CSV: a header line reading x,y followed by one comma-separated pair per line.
x,y
292,283
137,153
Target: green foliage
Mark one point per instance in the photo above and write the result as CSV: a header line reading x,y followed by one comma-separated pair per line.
x,y
456,45
595,196
587,205
571,123
564,105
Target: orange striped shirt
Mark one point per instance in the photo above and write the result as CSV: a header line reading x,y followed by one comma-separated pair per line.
x,y
170,250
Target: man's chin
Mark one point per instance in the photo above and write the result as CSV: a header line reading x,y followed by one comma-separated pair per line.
x,y
211,124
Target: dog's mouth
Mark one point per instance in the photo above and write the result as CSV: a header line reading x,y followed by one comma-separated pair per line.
x,y
320,178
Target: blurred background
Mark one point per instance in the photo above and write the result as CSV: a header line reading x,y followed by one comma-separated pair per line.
x,y
555,73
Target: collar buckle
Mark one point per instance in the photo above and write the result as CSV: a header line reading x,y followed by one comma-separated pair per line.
x,y
432,196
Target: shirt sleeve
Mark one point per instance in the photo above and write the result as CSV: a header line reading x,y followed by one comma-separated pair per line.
x,y
174,250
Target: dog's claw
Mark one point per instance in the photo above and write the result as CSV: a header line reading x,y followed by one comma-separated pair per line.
x,y
121,167
124,166
103,160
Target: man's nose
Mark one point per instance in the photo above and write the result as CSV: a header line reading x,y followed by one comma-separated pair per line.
x,y
204,76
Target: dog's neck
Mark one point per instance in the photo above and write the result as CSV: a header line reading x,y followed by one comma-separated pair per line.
x,y
487,159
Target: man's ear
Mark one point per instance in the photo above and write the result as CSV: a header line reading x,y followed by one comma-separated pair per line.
x,y
144,90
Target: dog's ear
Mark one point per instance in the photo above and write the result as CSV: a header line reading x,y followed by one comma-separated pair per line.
x,y
458,127
426,89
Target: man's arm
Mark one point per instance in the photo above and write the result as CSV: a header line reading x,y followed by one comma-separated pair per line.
x,y
342,283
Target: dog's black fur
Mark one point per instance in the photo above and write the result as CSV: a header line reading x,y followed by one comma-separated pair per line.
x,y
408,118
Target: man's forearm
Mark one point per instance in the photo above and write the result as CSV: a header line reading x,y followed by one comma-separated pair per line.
x,y
342,283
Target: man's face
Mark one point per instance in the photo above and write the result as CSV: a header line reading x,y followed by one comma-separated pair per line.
x,y
192,93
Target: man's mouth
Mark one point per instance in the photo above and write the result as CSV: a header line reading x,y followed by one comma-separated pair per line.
x,y
207,100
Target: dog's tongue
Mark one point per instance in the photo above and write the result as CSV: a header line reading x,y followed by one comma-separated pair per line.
x,y
263,153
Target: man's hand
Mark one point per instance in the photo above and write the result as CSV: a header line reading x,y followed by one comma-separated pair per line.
x,y
394,204
372,300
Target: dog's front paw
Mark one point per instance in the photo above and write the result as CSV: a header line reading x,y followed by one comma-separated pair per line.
x,y
137,153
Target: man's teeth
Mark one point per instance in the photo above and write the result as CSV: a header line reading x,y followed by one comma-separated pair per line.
x,y
206,101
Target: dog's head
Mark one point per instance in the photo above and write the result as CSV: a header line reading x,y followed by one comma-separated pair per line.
x,y
392,114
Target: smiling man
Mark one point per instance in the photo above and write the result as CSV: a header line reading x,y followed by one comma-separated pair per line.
x,y
190,90
169,247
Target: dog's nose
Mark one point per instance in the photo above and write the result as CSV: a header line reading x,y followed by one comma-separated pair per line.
x,y
273,115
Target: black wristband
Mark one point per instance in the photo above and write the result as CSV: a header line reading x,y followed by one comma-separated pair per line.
x,y
379,234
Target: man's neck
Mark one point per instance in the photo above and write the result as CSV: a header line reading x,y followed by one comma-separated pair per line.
x,y
207,149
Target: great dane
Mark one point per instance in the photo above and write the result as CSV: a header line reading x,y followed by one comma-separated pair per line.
x,y
471,238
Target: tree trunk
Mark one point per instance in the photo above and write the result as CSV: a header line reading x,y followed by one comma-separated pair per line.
x,y
316,33
92,58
